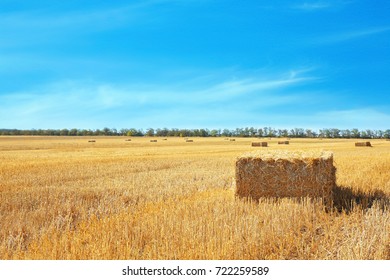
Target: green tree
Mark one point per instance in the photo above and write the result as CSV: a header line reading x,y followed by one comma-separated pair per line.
x,y
355,133
214,133
73,132
150,132
64,132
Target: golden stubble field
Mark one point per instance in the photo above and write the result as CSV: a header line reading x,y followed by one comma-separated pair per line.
x,y
67,198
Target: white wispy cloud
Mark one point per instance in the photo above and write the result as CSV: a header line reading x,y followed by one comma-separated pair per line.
x,y
312,6
369,118
351,35
134,12
53,20
224,104
81,103
361,118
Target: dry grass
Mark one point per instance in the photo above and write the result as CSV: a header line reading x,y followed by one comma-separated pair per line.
x,y
62,198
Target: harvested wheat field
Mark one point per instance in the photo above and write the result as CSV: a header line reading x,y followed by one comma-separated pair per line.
x,y
65,198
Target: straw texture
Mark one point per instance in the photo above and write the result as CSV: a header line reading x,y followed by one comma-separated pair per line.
x,y
259,144
285,174
363,144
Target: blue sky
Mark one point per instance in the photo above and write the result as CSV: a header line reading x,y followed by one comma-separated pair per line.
x,y
194,64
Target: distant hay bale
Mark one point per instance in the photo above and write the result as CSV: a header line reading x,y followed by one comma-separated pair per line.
x,y
363,144
153,140
128,140
259,144
283,142
232,140
286,174
189,140
91,141
165,139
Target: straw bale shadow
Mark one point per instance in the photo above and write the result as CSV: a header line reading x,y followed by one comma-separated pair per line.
x,y
345,199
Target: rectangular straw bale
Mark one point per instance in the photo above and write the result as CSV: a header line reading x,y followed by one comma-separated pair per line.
x,y
284,142
232,140
189,140
285,174
153,140
259,144
362,144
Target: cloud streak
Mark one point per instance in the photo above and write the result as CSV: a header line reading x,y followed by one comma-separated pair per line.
x,y
92,18
352,35
41,20
237,102
366,117
71,102
312,6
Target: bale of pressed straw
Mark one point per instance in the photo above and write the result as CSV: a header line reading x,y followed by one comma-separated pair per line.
x,y
284,142
91,141
189,140
285,174
259,144
153,140
232,140
363,144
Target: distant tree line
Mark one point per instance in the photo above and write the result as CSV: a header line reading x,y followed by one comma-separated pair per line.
x,y
238,132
